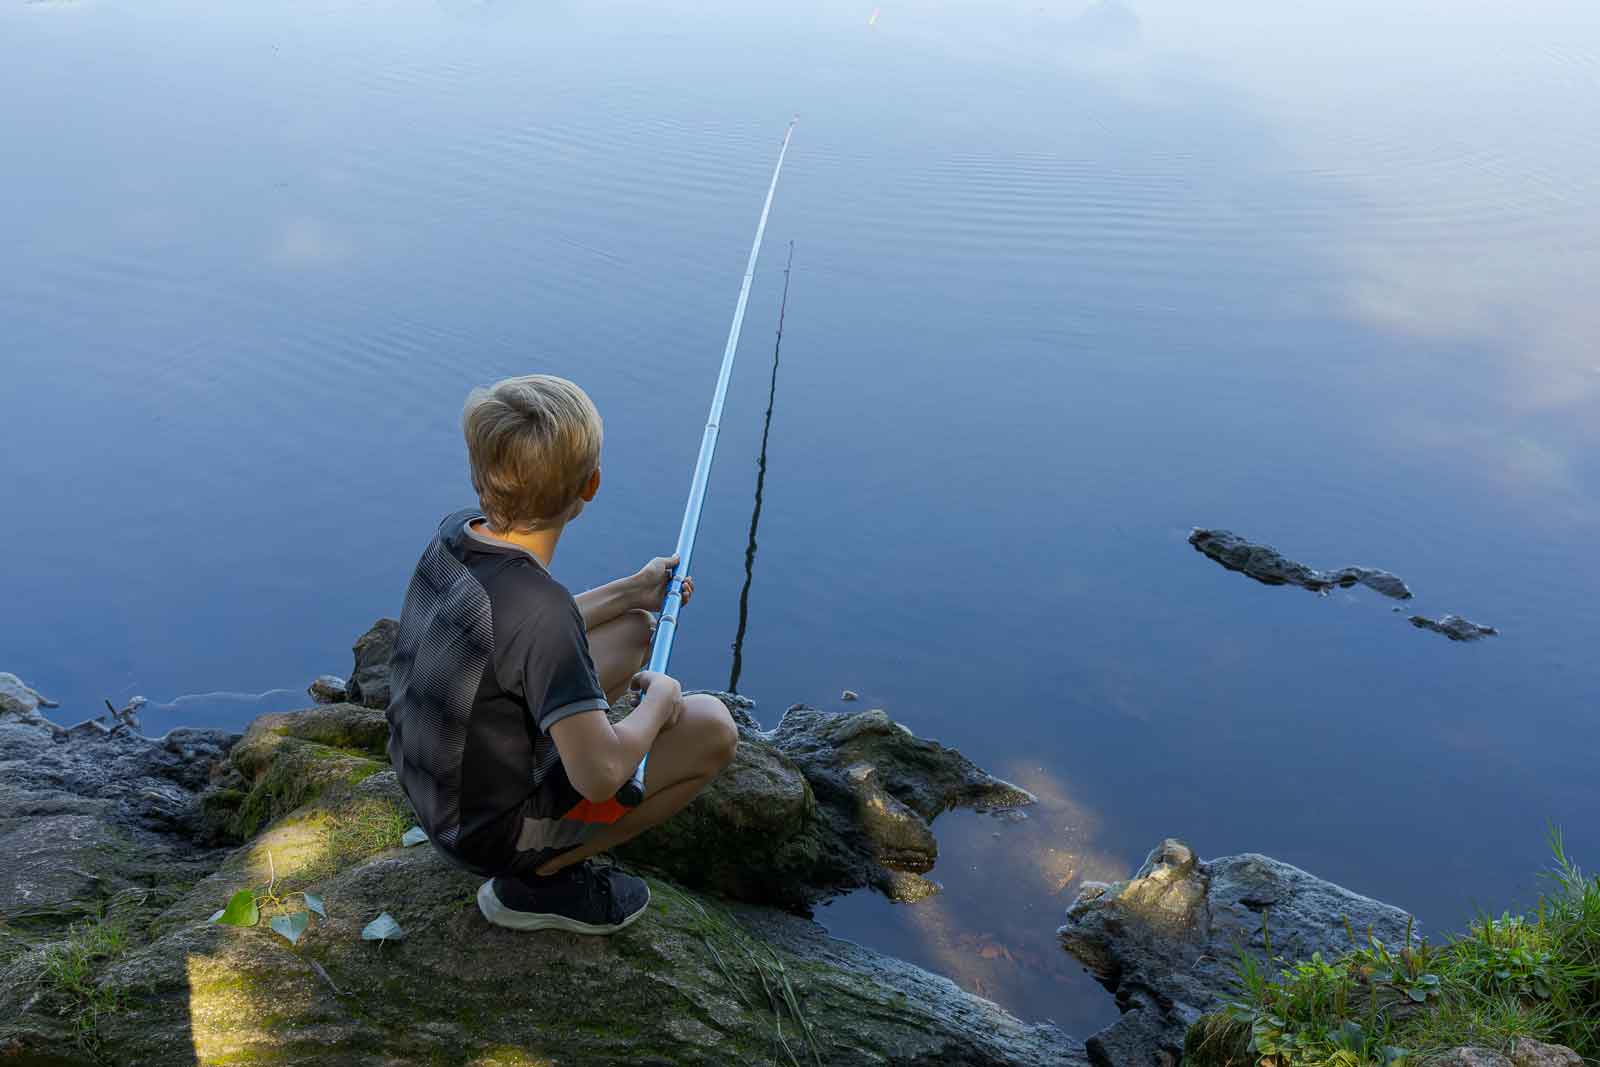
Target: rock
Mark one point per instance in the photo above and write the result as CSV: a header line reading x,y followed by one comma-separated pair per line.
x,y
369,681
1454,627
1467,1056
1163,941
92,827
328,689
1529,1053
923,775
18,699
824,804
1266,565
687,984
88,728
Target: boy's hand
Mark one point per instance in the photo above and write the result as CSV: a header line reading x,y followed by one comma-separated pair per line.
x,y
653,685
651,581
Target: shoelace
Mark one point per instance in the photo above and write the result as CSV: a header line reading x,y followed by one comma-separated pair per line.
x,y
599,879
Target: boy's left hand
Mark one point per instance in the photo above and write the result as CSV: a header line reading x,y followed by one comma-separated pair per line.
x,y
652,582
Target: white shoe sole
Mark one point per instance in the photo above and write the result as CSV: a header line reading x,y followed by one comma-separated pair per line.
x,y
500,915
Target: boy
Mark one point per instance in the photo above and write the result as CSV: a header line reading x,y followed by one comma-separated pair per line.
x,y
501,680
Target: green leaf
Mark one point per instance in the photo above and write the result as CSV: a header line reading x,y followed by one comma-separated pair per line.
x,y
383,928
1418,995
414,836
291,926
314,902
241,910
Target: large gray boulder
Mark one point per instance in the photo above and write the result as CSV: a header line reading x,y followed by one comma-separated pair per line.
x,y
1164,941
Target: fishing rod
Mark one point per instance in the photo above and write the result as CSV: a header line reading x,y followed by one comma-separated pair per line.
x,y
632,791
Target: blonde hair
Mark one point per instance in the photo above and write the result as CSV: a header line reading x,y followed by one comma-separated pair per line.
x,y
532,443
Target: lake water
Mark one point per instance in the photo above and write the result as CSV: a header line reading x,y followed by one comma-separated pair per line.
x,y
1068,281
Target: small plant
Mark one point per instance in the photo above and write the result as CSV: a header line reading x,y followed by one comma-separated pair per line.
x,y
71,972
1375,1005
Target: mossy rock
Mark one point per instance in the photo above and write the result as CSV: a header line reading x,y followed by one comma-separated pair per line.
x,y
290,758
680,986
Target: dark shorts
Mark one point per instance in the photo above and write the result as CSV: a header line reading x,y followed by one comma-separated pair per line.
x,y
555,819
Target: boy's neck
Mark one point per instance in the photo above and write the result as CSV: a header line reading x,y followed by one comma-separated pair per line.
x,y
542,543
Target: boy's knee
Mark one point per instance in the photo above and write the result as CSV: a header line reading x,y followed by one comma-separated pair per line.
x,y
641,628
721,735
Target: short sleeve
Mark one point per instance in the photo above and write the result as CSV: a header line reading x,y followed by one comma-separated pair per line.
x,y
557,672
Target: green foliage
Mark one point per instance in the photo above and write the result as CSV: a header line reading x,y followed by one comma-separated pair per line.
x,y
383,928
291,926
1534,976
241,910
71,972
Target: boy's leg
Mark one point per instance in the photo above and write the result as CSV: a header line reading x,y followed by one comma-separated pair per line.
x,y
683,759
619,649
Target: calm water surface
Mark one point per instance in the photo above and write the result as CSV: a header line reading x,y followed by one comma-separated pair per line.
x,y
1068,281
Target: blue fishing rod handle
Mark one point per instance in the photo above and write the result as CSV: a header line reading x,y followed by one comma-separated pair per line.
x,y
631,795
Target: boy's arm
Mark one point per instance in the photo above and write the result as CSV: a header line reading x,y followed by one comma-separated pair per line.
x,y
643,589
599,756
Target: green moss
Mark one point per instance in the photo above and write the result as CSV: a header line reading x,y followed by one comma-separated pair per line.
x,y
356,830
298,772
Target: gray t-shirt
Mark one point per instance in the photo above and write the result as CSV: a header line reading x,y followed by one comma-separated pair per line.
x,y
491,653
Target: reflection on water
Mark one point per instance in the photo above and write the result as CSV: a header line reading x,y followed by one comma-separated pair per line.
x,y
1078,278
761,482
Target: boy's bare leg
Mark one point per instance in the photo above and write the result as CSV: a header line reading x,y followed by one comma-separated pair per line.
x,y
619,649
683,760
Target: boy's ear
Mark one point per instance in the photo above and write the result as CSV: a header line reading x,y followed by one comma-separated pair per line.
x,y
591,487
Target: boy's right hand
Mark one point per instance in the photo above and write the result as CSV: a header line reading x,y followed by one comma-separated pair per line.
x,y
653,685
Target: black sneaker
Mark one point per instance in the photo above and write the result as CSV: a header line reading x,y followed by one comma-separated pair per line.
x,y
581,898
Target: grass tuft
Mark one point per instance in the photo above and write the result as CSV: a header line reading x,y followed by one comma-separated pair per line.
x,y
1516,976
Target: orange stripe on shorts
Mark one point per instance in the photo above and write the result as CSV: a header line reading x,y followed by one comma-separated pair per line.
x,y
588,811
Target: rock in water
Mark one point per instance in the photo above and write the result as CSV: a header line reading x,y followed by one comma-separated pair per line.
x,y
1164,941
369,682
1454,627
1266,565
328,689
824,804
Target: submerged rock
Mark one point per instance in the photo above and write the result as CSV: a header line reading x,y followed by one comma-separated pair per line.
x,y
369,681
1266,565
1164,941
1454,627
